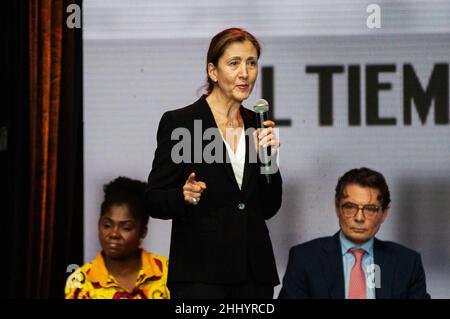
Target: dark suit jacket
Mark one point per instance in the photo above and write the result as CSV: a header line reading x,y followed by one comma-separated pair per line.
x,y
216,240
315,270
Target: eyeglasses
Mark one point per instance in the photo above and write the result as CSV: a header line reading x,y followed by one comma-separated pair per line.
x,y
369,211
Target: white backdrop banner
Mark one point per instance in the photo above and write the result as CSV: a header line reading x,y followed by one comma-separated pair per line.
x,y
344,93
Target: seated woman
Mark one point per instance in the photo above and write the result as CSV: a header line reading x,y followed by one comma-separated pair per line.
x,y
122,269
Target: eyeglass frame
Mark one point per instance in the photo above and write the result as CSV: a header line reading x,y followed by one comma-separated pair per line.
x,y
363,210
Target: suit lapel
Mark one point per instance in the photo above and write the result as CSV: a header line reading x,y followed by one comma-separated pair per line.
x,y
333,270
249,149
208,121
386,266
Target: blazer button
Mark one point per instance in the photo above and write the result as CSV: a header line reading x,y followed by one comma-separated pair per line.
x,y
241,206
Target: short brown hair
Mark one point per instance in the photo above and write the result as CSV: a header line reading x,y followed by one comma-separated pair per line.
x,y
218,45
365,177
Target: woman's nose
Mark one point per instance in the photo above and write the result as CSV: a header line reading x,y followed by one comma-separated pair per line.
x,y
114,233
244,71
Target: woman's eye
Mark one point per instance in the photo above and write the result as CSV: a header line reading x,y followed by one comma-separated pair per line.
x,y
106,225
233,63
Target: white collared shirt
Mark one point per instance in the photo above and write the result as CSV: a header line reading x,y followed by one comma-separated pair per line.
x,y
237,159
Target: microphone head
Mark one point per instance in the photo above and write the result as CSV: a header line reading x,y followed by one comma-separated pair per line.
x,y
261,106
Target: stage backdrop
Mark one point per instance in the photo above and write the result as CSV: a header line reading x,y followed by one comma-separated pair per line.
x,y
345,95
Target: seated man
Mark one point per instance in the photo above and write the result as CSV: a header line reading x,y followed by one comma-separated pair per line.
x,y
353,264
122,269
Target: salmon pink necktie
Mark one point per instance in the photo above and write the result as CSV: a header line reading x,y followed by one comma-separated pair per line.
x,y
357,289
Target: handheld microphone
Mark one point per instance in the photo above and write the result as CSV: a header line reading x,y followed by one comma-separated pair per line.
x,y
261,109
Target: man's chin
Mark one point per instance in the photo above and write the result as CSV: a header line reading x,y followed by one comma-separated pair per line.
x,y
358,238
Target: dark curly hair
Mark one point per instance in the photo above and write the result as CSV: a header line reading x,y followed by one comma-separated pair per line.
x,y
365,177
126,191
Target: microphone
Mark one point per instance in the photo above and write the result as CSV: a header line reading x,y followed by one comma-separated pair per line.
x,y
261,109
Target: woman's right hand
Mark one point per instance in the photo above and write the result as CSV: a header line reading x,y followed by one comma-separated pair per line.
x,y
192,190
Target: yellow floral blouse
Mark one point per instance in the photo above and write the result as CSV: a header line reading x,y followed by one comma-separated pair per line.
x,y
93,281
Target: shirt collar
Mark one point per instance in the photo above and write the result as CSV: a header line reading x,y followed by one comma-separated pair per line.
x,y
151,267
346,244
100,274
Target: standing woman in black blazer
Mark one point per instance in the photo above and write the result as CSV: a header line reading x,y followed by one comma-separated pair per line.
x,y
218,200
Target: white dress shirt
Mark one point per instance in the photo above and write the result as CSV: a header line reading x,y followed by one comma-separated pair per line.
x,y
237,159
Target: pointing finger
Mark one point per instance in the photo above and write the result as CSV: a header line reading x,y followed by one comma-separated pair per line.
x,y
191,178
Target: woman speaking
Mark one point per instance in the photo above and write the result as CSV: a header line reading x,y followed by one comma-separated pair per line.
x,y
218,200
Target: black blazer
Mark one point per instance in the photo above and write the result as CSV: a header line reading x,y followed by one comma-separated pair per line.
x,y
216,240
315,270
